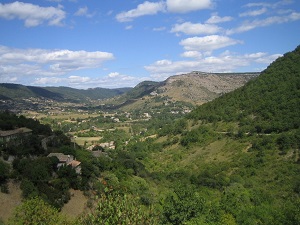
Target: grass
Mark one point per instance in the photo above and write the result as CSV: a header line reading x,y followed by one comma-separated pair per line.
x,y
8,202
88,140
76,205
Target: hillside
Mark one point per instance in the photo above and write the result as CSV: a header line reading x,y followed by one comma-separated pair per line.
x,y
199,87
17,92
193,88
266,104
235,160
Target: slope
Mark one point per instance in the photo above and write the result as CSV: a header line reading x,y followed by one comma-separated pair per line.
x,y
199,87
194,88
269,103
236,159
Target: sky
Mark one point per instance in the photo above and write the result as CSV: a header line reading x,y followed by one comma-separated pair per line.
x,y
120,43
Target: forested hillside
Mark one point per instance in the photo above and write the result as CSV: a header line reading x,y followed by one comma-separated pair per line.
x,y
237,160
266,104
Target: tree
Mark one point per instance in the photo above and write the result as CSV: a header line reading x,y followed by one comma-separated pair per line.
x,y
36,211
4,171
182,205
114,208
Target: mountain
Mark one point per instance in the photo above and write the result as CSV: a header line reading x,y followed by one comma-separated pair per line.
x,y
200,87
66,94
17,91
193,88
91,93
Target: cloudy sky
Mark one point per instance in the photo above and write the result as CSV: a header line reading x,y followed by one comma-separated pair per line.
x,y
119,43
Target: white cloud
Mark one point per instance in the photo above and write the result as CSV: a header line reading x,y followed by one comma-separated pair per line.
x,y
112,80
129,27
269,5
195,28
113,74
159,28
250,25
224,62
267,59
208,43
78,79
41,62
47,80
253,12
256,55
217,19
184,6
146,8
191,54
174,6
33,15
84,11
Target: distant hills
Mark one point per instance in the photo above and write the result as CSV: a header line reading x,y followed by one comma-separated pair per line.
x,y
195,88
64,94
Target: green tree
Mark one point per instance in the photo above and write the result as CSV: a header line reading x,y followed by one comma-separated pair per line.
x,y
183,205
34,212
4,171
114,208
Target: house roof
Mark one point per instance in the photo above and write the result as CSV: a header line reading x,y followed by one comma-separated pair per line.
x,y
61,157
74,163
22,130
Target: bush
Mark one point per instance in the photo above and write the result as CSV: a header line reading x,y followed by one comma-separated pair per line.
x,y
114,208
36,211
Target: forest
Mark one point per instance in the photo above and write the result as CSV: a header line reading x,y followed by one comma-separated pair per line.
x,y
234,160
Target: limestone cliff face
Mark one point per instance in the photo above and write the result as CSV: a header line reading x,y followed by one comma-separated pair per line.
x,y
200,87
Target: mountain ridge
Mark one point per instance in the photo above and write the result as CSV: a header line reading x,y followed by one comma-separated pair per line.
x,y
193,88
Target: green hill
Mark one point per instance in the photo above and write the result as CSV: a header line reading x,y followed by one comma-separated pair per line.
x,y
234,160
18,92
266,104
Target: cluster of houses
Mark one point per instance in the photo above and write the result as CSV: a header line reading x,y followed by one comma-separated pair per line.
x,y
17,135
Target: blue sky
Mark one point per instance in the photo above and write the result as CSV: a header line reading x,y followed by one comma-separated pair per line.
x,y
119,43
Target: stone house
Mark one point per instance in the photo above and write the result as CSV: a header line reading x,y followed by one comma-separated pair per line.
x,y
16,134
67,160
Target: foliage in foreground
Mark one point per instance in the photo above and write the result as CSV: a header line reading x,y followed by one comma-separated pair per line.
x,y
109,209
120,209
36,211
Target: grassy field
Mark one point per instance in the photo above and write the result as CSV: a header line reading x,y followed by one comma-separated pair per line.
x,y
88,140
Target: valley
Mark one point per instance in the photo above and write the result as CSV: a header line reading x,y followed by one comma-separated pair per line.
x,y
198,148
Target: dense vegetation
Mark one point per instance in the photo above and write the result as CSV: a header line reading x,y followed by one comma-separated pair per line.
x,y
266,104
30,165
234,160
